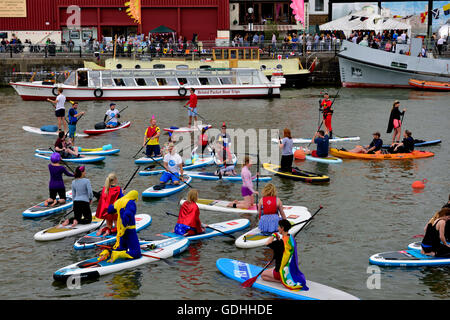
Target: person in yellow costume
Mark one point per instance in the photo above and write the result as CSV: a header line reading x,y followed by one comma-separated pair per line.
x,y
127,243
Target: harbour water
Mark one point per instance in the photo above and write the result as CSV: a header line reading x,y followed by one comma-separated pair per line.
x,y
369,206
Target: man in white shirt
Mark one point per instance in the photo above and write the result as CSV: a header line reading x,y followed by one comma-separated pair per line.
x,y
112,114
173,165
440,44
60,109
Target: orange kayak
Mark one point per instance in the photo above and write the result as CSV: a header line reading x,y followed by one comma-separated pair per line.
x,y
380,156
430,85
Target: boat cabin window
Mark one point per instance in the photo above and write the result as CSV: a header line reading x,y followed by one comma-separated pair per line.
x,y
182,81
204,81
227,80
140,82
161,81
107,82
213,81
151,82
82,79
193,81
70,81
94,79
129,82
119,82
172,82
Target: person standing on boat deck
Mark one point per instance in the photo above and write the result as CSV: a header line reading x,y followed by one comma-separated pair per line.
x,y
327,111
151,139
192,107
73,119
286,268
287,156
60,109
112,114
82,198
395,122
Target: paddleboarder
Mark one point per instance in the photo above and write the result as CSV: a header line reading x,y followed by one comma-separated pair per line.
x,y
65,148
151,139
113,115
82,198
286,268
434,242
73,116
188,223
173,163
247,190
192,113
270,210
56,184
327,112
110,193
60,109
321,139
287,156
395,121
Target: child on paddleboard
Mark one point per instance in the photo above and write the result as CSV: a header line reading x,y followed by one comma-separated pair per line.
x,y
247,190
188,222
56,184
110,193
286,268
270,210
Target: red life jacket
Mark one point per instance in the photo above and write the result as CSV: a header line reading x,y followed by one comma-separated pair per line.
x,y
269,206
203,140
105,200
189,215
151,132
326,104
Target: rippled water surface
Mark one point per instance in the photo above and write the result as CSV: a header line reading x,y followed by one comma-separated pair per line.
x,y
369,207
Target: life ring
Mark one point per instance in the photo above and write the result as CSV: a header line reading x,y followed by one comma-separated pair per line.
x,y
138,66
98,93
182,92
55,91
270,93
263,67
119,66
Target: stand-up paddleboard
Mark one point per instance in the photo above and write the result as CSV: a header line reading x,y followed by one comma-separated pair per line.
x,y
168,189
418,143
198,163
227,227
82,159
145,160
407,258
151,251
39,131
91,240
296,174
254,238
186,129
224,206
328,159
106,130
415,245
219,162
59,232
336,139
98,152
213,176
241,272
40,210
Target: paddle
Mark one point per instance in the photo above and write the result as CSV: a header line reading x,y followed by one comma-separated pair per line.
x,y
145,144
257,178
248,283
207,226
197,114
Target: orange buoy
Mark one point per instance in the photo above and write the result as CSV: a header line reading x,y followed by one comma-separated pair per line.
x,y
419,184
299,154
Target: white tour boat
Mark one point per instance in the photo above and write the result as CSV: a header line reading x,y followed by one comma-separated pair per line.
x,y
155,84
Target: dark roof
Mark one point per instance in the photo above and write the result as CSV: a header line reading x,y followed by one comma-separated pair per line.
x,y
162,29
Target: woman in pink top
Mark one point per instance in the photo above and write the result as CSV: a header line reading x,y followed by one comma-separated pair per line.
x,y
247,190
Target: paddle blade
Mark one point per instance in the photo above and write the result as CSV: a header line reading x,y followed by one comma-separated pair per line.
x,y
248,283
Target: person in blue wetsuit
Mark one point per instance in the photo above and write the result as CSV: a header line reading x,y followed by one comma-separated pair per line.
x,y
321,139
373,147
74,116
127,243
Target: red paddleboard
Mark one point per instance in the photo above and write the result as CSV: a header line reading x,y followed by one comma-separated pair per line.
x,y
106,130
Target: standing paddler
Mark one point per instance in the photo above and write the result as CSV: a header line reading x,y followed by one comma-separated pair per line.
x,y
327,111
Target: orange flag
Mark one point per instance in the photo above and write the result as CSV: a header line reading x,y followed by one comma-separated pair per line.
x,y
134,10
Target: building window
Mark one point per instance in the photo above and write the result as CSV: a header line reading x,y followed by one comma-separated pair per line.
x,y
318,5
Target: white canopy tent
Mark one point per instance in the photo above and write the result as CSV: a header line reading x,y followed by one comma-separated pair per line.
x,y
364,20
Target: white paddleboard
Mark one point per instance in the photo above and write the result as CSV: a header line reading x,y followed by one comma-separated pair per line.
x,y
241,271
39,131
91,240
152,251
337,139
186,129
60,232
168,190
407,258
254,238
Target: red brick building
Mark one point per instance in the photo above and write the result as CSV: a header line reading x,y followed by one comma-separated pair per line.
x,y
108,17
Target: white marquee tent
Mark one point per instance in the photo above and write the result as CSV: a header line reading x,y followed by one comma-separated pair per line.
x,y
364,20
